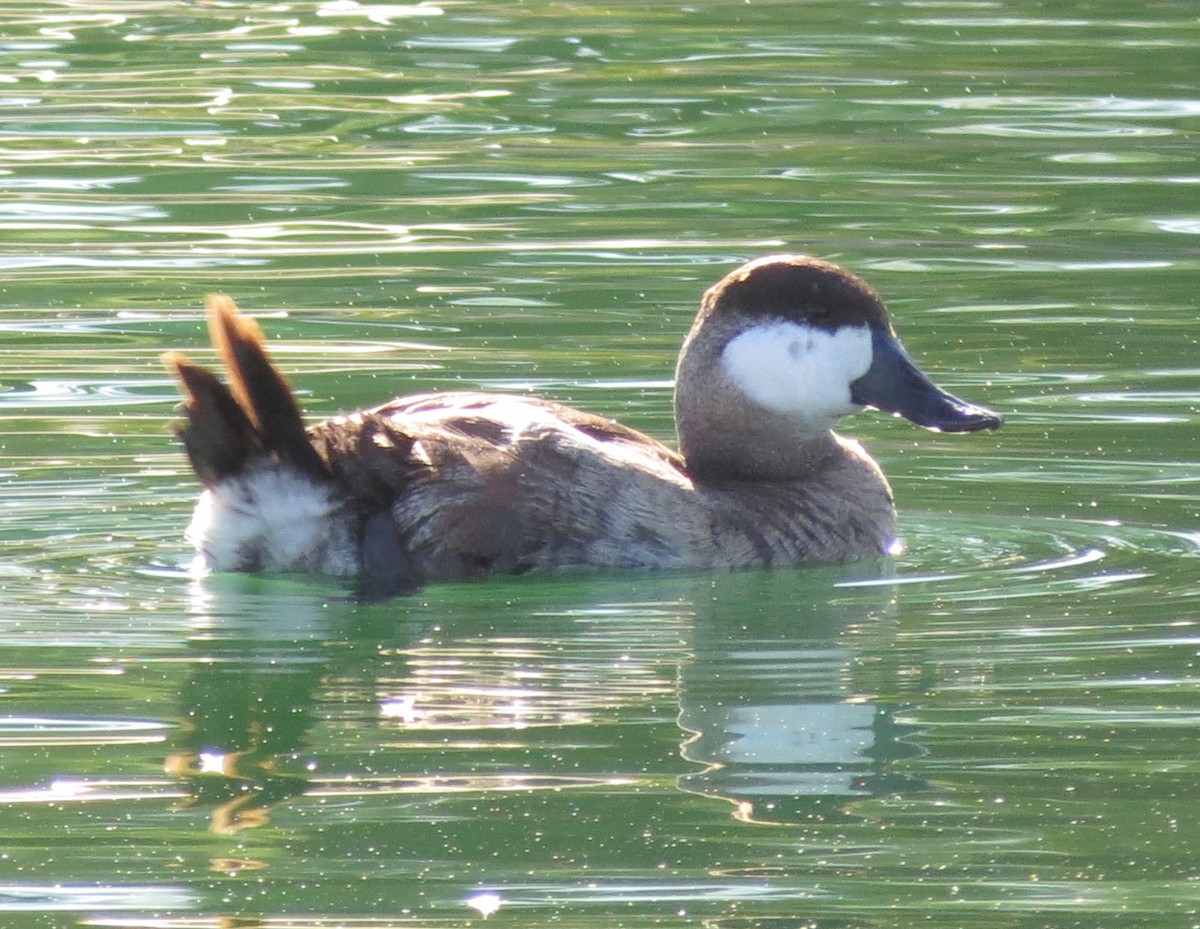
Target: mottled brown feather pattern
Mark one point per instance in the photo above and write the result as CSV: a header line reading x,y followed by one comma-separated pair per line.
x,y
470,496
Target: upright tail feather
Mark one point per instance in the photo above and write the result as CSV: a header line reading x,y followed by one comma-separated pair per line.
x,y
218,436
257,414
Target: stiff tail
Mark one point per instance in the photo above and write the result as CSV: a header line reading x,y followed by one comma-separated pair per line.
x,y
255,415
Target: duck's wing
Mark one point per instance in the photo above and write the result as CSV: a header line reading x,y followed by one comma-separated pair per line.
x,y
465,438
501,420
488,483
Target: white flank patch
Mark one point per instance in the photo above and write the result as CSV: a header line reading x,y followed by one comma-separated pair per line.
x,y
798,370
270,518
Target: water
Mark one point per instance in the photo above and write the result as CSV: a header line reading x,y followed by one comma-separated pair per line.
x,y
995,728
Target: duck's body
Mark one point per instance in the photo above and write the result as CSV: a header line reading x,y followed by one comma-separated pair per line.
x,y
455,485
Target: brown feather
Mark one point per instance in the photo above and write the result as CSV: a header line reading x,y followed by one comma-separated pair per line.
x,y
259,388
217,435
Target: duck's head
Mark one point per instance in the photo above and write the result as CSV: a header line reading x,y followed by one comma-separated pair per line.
x,y
782,348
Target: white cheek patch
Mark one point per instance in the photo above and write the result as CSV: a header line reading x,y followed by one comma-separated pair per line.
x,y
798,370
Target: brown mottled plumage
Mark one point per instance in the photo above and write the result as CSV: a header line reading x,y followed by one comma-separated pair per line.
x,y
455,485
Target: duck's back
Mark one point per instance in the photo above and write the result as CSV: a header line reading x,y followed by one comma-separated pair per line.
x,y
463,484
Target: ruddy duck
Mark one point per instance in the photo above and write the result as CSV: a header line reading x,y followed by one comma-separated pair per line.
x,y
453,485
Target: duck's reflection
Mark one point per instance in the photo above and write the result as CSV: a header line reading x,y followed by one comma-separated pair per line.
x,y
779,710
242,746
239,723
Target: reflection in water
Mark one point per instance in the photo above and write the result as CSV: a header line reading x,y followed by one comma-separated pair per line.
x,y
777,716
241,716
774,713
248,706
409,679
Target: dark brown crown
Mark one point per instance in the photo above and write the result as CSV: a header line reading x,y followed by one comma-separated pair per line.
x,y
799,288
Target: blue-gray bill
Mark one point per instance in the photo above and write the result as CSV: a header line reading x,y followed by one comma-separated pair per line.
x,y
895,384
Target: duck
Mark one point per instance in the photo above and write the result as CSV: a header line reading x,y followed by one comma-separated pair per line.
x,y
448,486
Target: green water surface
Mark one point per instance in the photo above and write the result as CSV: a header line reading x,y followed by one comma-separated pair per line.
x,y
996,728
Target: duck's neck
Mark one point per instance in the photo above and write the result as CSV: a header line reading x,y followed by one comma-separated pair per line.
x,y
754,450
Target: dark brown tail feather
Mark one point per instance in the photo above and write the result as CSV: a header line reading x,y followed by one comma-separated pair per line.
x,y
256,413
218,436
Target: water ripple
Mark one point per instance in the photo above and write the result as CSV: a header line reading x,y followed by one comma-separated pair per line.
x,y
20,731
